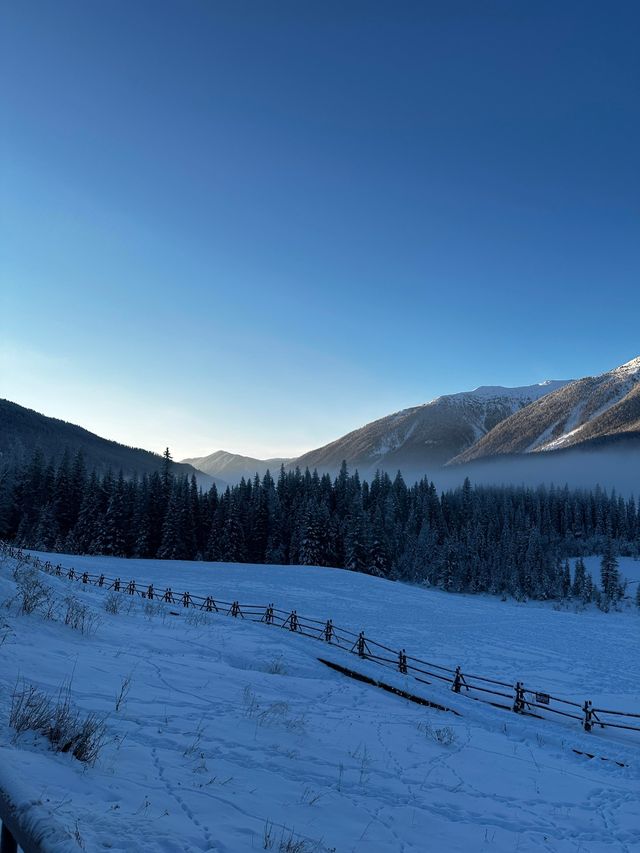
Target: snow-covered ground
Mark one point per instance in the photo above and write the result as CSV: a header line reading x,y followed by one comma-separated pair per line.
x,y
230,728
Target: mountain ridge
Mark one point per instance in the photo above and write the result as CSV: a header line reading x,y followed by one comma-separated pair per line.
x,y
22,430
428,435
490,422
233,466
414,439
594,407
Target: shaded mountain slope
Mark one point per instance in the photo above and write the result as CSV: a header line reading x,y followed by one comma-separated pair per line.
x,y
596,407
425,437
23,430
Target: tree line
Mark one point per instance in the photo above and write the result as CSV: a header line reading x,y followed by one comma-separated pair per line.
x,y
511,541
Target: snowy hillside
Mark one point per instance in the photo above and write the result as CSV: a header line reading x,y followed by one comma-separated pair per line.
x,y
416,440
232,736
425,437
596,408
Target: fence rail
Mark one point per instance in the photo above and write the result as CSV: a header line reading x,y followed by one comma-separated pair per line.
x,y
513,696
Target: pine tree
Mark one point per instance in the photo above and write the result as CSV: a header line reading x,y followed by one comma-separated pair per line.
x,y
29,496
167,465
158,502
589,592
566,580
356,540
178,533
232,545
609,576
379,551
63,499
141,538
47,531
7,485
77,485
449,566
311,544
501,540
114,528
85,530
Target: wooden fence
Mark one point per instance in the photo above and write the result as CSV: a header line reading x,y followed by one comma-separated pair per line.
x,y
509,695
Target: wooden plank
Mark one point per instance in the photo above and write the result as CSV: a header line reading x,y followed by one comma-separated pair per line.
x,y
358,676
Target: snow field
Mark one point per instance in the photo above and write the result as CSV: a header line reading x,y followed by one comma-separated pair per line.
x,y
229,728
571,654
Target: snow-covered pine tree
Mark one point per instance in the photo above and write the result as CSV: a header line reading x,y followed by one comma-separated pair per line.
x,y
566,580
609,575
589,589
114,528
508,541
356,540
577,590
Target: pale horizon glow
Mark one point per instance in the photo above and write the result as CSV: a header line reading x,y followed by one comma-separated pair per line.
x,y
32,379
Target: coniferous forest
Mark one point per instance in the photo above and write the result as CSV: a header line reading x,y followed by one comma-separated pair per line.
x,y
511,541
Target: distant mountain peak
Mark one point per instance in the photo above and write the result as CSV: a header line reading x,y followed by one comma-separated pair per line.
x,y
502,392
232,467
630,367
531,392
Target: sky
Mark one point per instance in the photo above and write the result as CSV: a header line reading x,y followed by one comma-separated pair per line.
x,y
258,225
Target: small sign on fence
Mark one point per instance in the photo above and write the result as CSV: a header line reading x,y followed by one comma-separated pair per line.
x,y
542,698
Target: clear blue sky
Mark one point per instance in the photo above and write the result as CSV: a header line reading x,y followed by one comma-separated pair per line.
x,y
257,225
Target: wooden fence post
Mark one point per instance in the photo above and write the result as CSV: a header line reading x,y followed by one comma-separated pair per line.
x,y
457,681
402,661
361,645
518,704
587,723
328,631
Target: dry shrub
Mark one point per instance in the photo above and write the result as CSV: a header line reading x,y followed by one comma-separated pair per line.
x,y
66,728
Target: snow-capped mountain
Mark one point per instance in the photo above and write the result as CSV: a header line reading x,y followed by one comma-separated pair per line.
x,y
596,410
422,438
526,423
231,467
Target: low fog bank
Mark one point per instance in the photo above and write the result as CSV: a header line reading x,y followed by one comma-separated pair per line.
x,y
614,467
611,469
